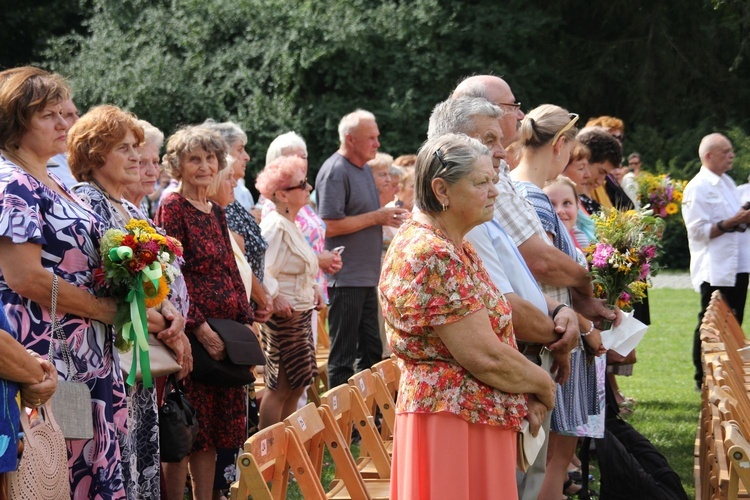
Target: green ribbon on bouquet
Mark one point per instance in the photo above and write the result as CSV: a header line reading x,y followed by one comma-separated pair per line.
x,y
136,330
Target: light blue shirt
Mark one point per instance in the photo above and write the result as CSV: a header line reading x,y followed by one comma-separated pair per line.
x,y
504,263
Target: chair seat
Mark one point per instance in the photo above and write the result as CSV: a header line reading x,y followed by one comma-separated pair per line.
x,y
377,489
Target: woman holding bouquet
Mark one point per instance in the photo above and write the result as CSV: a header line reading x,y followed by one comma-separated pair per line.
x,y
102,155
547,138
194,156
465,387
46,231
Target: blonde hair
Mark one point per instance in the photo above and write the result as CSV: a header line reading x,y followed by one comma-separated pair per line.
x,y
561,179
541,125
382,161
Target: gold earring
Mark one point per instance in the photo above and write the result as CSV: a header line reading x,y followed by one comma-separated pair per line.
x,y
445,207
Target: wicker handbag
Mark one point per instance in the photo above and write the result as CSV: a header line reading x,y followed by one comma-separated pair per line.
x,y
43,469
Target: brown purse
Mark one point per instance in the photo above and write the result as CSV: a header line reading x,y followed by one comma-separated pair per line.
x,y
43,469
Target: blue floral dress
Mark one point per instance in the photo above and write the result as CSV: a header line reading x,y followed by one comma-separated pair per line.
x,y
10,423
69,234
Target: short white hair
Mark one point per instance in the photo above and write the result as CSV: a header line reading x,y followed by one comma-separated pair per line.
x,y
708,143
289,140
152,136
351,121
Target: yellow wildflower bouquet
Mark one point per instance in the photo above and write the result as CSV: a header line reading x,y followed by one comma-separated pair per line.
x,y
137,271
660,193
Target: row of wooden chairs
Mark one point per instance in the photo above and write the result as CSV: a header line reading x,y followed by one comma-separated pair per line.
x,y
722,453
298,443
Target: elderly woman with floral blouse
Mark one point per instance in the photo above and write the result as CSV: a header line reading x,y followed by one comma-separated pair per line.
x,y
465,387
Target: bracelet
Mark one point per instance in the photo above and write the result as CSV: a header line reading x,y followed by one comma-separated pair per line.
x,y
591,330
557,309
720,227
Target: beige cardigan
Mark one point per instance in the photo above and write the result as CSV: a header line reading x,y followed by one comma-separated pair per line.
x,y
291,264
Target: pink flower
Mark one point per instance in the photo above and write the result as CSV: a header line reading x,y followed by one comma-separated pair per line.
x,y
601,254
625,297
644,271
649,251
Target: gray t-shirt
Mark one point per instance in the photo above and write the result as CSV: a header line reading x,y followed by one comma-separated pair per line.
x,y
343,190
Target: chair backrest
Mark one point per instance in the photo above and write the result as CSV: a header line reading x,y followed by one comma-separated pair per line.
x,y
364,382
389,372
386,387
738,457
266,458
324,341
314,427
339,401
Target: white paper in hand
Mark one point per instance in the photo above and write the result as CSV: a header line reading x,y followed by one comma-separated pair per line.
x,y
624,337
528,446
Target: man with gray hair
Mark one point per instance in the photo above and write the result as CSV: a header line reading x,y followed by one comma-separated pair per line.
x,y
538,320
348,203
716,226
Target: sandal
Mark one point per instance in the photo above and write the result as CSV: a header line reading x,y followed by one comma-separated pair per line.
x,y
571,487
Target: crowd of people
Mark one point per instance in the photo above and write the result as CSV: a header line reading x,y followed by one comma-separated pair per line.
x,y
468,258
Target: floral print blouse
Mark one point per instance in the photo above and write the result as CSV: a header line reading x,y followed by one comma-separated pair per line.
x,y
427,281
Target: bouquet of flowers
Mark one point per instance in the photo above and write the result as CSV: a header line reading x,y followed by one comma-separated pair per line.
x,y
660,193
137,271
623,258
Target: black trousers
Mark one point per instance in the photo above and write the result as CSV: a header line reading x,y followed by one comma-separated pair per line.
x,y
354,332
735,297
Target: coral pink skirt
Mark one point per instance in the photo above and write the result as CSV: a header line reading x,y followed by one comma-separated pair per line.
x,y
441,456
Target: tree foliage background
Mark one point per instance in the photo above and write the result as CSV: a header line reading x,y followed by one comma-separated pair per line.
x,y
673,70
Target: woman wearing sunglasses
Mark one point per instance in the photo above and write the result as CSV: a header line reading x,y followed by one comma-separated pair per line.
x,y
547,137
291,267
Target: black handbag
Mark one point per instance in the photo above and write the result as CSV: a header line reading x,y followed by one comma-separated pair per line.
x,y
178,423
243,352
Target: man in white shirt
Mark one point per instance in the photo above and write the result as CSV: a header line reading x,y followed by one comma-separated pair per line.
x,y
716,225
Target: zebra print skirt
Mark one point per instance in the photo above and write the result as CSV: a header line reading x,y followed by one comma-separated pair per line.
x,y
289,341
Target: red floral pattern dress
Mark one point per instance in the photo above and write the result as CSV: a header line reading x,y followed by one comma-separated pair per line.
x,y
216,291
427,281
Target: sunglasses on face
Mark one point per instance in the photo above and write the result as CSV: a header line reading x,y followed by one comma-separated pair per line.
x,y
301,185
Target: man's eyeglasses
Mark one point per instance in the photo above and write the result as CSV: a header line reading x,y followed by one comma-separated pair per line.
x,y
515,105
301,185
571,123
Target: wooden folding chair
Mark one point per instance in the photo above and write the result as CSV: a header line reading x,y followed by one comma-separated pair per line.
x,y
348,412
387,377
316,427
365,384
322,349
738,454
266,457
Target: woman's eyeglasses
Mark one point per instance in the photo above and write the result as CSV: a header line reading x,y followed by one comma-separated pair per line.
x,y
571,123
301,185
